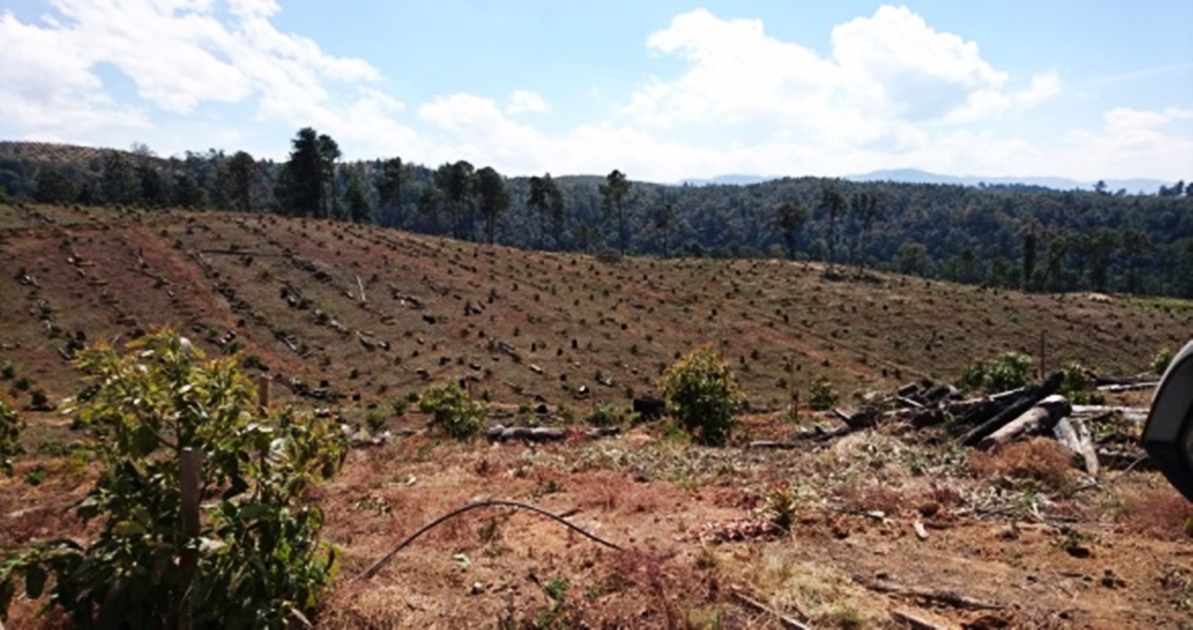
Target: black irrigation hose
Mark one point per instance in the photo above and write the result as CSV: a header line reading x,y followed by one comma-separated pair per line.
x,y
371,571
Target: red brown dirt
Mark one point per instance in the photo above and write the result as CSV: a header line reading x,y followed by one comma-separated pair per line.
x,y
1072,554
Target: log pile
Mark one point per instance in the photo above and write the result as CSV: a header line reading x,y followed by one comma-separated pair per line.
x,y
1098,436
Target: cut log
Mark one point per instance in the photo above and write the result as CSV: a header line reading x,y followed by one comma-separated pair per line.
x,y
771,445
1028,399
501,433
978,410
1086,441
1123,380
1039,419
1078,441
1134,414
1128,387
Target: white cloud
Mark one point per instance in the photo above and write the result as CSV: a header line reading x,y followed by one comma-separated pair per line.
x,y
525,102
890,92
180,55
47,86
883,72
1131,143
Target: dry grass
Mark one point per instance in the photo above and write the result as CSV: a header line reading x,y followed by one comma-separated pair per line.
x,y
777,322
1039,459
1161,513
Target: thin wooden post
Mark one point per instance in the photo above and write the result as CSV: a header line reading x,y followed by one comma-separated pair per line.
x,y
263,394
191,471
1043,356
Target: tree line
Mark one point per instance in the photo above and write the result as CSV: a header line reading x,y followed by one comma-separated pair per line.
x,y
1014,236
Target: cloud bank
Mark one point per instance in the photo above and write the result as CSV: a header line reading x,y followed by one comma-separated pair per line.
x,y
890,92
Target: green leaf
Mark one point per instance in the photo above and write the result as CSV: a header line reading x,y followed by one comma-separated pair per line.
x,y
144,440
35,581
128,528
253,511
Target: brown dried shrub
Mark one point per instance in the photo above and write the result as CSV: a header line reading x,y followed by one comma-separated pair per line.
x,y
1160,513
873,498
1038,459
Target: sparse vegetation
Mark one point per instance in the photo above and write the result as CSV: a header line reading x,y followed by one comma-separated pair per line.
x,y
784,321
11,426
261,558
1162,359
702,395
1008,371
822,396
1078,387
452,412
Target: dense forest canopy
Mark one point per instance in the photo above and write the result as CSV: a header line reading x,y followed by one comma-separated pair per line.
x,y
1026,237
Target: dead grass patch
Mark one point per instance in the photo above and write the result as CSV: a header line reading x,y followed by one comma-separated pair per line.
x,y
824,594
1039,459
883,499
1160,513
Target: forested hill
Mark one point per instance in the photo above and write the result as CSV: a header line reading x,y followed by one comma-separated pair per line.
x,y
1003,235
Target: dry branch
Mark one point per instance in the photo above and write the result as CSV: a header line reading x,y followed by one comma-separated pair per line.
x,y
1128,387
757,606
1074,435
1040,418
920,620
946,597
1028,399
376,566
500,433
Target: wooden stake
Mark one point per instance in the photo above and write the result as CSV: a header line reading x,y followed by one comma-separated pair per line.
x,y
263,394
191,471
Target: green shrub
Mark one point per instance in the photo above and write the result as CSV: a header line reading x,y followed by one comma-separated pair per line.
x,y
375,419
821,395
606,415
1009,371
702,395
11,426
8,371
1077,386
259,559
452,412
1162,359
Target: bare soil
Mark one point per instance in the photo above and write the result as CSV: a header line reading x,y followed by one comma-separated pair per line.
x,y
1012,539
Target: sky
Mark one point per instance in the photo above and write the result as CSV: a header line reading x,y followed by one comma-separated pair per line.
x,y
662,90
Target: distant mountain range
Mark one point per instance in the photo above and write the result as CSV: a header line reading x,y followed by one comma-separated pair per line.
x,y
916,176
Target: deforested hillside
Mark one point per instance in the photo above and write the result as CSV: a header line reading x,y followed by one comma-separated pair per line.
x,y
881,509
334,311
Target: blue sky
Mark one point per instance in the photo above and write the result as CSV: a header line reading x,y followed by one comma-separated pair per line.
x,y
663,90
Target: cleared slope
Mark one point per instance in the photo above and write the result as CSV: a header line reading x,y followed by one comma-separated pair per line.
x,y
288,292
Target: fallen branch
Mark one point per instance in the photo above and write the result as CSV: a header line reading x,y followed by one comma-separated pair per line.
x,y
1134,414
757,606
1128,387
501,433
376,566
946,597
771,444
1040,418
1029,398
920,620
1074,435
